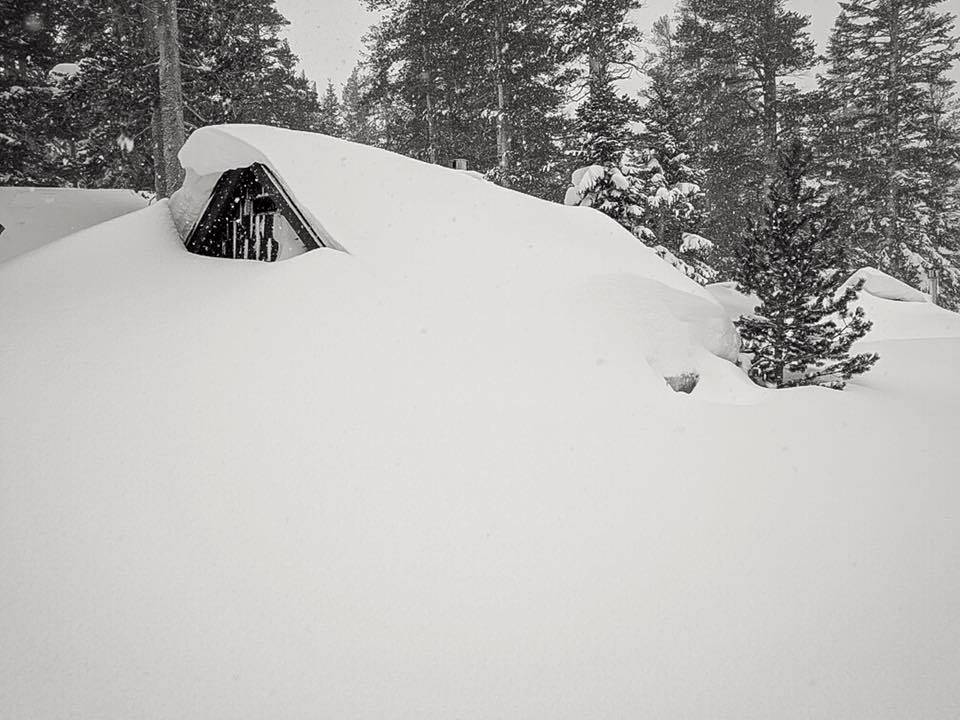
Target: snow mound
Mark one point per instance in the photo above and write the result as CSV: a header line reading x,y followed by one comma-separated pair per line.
x,y
691,242
447,236
36,216
734,302
881,285
440,475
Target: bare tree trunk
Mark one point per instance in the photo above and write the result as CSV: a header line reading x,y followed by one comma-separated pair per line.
x,y
596,66
171,93
432,153
771,121
891,231
156,133
503,120
148,28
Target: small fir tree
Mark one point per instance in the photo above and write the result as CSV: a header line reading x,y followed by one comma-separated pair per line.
x,y
28,51
804,328
329,121
678,180
613,190
354,113
607,178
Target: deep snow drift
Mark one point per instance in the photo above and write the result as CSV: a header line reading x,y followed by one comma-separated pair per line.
x,y
439,474
36,216
897,311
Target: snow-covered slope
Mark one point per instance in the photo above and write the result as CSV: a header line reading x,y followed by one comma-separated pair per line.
x,y
440,475
36,216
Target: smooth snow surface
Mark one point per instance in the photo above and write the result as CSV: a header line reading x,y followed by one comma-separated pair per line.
x,y
439,475
36,216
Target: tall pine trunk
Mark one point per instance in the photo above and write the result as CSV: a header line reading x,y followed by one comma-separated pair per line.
x,y
771,107
148,28
771,121
503,119
171,94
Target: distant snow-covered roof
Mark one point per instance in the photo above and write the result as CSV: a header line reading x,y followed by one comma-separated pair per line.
x,y
35,216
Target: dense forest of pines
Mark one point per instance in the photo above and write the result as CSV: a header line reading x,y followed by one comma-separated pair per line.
x,y
530,92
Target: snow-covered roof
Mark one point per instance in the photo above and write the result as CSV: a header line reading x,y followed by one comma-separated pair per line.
x,y
445,230
35,216
392,209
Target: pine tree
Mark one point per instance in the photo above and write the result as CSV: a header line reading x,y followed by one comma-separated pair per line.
x,y
407,63
482,80
942,196
329,120
804,328
755,44
108,120
599,32
604,120
614,190
608,177
740,58
28,51
424,86
603,41
673,184
100,128
355,111
887,139
520,89
239,68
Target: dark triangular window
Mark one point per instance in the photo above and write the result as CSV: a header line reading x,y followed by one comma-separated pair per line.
x,y
249,216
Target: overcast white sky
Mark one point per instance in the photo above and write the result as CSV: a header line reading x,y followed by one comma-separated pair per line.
x,y
327,34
